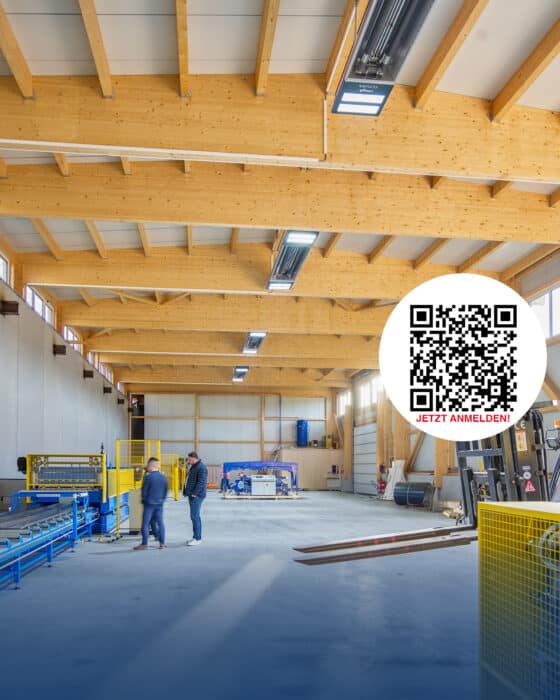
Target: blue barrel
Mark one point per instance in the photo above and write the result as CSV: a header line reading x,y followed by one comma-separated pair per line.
x,y
410,493
302,433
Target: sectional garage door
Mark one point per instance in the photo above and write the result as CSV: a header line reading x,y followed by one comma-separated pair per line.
x,y
365,459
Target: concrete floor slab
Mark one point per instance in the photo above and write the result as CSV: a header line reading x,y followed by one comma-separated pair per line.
x,y
237,618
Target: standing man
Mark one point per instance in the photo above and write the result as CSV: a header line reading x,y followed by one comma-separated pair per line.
x,y
195,490
154,493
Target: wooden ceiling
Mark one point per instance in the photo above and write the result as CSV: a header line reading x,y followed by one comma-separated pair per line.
x,y
214,157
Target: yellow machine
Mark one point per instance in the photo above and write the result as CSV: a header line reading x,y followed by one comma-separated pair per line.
x,y
170,467
520,599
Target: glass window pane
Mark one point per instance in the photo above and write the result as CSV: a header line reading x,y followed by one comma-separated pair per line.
x,y
556,311
38,304
49,315
541,306
29,296
4,268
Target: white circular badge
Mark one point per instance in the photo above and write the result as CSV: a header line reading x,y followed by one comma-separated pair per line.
x,y
462,357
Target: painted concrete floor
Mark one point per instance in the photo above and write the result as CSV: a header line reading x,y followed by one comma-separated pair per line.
x,y
237,618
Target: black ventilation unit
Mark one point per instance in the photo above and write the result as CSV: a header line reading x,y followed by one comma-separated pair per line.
x,y
9,308
107,390
58,349
88,374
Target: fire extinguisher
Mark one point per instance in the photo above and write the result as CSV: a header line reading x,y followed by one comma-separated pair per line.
x,y
381,483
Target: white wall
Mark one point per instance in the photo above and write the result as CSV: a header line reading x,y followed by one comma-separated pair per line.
x,y
45,403
229,426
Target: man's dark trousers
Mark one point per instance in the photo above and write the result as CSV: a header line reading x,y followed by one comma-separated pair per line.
x,y
155,512
195,505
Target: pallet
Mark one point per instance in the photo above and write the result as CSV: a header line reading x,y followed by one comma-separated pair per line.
x,y
246,497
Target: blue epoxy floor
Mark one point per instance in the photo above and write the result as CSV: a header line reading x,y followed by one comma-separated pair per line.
x,y
237,618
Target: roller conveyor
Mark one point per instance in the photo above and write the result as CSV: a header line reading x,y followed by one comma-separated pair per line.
x,y
33,518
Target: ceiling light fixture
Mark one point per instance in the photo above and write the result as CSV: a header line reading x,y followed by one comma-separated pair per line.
x,y
293,253
253,342
239,373
384,40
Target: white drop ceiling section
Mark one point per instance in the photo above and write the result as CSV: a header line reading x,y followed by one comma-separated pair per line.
x,y
119,234
537,187
70,234
506,255
505,34
211,235
358,242
21,235
544,93
166,235
455,252
406,248
434,28
256,235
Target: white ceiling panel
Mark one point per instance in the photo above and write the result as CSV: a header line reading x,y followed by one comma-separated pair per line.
x,y
53,44
358,242
24,157
70,234
433,30
256,235
225,7
119,234
166,235
323,239
505,34
21,234
407,247
64,293
140,44
539,187
223,44
211,235
455,252
544,93
303,43
505,256
41,6
135,7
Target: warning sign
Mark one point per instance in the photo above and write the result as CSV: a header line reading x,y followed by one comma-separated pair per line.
x,y
529,488
521,440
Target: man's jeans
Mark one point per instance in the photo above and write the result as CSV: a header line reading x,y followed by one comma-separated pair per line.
x,y
195,505
155,512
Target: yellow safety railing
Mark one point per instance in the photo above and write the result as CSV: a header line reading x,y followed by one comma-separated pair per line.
x,y
519,558
170,467
70,472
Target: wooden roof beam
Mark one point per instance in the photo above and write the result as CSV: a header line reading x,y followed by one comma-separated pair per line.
x,y
63,164
97,239
233,241
9,46
528,261
477,257
271,9
146,247
182,47
342,47
535,63
48,239
447,50
3,168
126,165
554,198
189,239
86,296
379,249
426,255
499,187
331,245
93,31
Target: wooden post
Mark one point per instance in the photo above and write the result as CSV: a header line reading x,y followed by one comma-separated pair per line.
x,y
401,440
443,460
348,442
196,421
262,427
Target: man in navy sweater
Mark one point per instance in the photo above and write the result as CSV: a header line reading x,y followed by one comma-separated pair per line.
x,y
154,493
195,490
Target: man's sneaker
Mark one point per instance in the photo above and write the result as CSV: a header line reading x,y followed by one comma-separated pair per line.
x,y
192,543
141,546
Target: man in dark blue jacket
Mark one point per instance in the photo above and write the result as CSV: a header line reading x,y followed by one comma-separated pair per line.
x,y
195,490
154,493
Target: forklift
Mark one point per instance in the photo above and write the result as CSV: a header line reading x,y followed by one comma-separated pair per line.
x,y
510,466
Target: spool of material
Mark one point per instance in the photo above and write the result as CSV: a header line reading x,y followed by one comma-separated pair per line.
x,y
410,493
302,433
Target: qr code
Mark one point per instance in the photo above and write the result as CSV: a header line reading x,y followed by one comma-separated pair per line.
x,y
463,358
